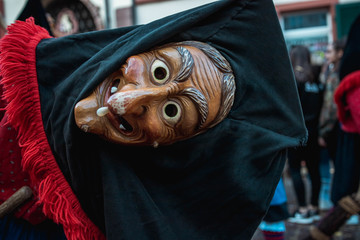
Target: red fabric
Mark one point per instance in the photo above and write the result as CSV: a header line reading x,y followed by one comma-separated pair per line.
x,y
12,178
18,70
268,235
353,100
347,97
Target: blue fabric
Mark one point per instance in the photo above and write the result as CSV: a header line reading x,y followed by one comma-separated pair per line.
x,y
273,227
11,229
279,195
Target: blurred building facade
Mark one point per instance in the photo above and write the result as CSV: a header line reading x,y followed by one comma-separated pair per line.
x,y
315,23
310,22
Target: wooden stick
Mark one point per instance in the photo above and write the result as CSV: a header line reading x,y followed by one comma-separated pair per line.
x,y
18,198
335,219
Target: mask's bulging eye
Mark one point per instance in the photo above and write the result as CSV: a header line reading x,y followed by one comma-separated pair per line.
x,y
171,112
160,71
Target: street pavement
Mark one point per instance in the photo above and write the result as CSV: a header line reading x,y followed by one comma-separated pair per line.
x,y
300,231
296,231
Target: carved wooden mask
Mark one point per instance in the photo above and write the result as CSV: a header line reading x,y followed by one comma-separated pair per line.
x,y
162,96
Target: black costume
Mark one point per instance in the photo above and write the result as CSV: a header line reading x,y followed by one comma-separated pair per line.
x,y
217,185
310,97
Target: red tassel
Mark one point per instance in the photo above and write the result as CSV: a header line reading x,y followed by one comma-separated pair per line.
x,y
18,71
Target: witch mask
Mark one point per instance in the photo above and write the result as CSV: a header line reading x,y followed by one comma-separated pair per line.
x,y
168,94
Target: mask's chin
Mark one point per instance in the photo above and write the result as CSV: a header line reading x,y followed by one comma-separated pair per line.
x,y
85,115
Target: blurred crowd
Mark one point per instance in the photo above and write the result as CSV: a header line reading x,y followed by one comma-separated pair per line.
x,y
330,103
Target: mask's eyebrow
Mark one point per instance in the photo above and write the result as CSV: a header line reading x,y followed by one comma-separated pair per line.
x,y
200,101
187,63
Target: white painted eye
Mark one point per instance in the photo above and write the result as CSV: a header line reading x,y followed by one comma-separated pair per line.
x,y
171,112
159,71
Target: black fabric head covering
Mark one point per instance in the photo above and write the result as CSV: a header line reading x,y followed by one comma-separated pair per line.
x,y
217,185
34,8
350,60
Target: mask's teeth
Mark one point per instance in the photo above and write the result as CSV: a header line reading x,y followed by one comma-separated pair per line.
x,y
114,89
102,111
122,127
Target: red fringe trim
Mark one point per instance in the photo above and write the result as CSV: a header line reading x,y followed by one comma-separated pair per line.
x,y
19,78
349,82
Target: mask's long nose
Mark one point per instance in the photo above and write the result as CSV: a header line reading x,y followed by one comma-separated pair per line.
x,y
134,101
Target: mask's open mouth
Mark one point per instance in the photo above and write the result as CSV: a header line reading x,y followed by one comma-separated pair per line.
x,y
120,124
124,125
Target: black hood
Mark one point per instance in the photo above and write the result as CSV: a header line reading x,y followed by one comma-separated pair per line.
x,y
350,61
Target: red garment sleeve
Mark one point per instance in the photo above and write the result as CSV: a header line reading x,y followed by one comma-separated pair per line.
x,y
353,101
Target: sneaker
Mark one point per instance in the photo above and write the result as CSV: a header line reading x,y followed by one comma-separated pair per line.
x,y
301,218
314,214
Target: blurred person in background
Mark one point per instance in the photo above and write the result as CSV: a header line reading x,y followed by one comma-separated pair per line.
x,y
345,192
328,123
310,98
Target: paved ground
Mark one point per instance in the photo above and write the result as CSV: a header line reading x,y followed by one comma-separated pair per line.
x,y
298,231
